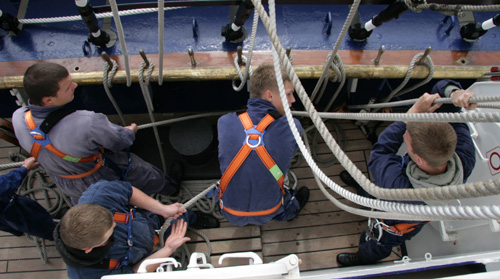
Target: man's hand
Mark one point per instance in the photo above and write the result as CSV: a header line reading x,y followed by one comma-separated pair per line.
x,y
425,104
31,163
132,127
173,210
461,98
177,236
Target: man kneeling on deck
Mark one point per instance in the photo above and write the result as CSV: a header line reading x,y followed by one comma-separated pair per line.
x,y
439,154
255,149
113,228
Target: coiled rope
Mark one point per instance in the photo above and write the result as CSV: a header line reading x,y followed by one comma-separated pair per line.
x,y
248,68
107,79
146,93
121,36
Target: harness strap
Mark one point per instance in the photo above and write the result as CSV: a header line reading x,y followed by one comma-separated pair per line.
x,y
401,229
41,140
242,155
125,218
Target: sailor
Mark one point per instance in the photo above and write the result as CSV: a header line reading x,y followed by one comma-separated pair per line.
x,y
439,154
251,188
19,214
79,148
113,229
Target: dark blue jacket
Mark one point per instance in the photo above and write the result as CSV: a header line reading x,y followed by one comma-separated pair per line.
x,y
115,196
389,169
253,188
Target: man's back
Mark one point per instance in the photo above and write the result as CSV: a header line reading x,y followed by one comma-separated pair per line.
x,y
253,188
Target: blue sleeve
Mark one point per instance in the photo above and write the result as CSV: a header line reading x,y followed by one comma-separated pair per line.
x,y
385,165
112,195
11,181
465,148
109,135
439,87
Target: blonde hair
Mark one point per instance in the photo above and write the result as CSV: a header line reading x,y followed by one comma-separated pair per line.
x,y
85,225
264,79
435,142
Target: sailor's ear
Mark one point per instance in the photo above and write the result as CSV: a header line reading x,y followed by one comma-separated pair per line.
x,y
268,95
88,250
46,101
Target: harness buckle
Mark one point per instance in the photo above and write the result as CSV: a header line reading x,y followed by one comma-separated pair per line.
x,y
130,242
252,145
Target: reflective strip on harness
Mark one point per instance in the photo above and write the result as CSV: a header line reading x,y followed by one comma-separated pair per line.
x,y
41,140
253,133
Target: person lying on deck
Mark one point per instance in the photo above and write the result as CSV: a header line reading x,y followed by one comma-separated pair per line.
x,y
253,192
439,154
79,148
113,229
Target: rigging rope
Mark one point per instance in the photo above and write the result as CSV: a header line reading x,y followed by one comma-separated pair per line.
x,y
437,101
457,8
161,27
99,15
248,68
427,212
121,36
146,93
107,79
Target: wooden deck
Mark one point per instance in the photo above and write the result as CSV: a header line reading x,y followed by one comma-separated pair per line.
x,y
319,233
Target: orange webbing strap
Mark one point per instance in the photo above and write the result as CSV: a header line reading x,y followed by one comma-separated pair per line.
x,y
271,165
120,217
245,121
253,213
114,263
401,229
36,147
233,167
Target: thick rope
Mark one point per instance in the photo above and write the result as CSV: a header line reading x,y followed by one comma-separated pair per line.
x,y
188,204
483,117
121,36
107,79
475,212
144,84
11,165
99,15
336,46
340,75
416,58
169,121
248,68
161,27
409,102
456,8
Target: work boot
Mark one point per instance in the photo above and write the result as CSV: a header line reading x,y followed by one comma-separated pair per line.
x,y
348,259
302,197
205,221
349,180
176,172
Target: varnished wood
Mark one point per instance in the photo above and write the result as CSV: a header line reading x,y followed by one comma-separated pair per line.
x,y
219,65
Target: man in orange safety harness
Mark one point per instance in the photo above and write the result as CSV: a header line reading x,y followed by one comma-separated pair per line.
x,y
255,149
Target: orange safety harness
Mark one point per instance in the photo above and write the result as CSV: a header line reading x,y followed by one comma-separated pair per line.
x,y
375,228
41,140
253,142
126,218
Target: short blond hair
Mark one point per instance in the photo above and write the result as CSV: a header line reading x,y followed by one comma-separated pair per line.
x,y
85,225
264,79
435,142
